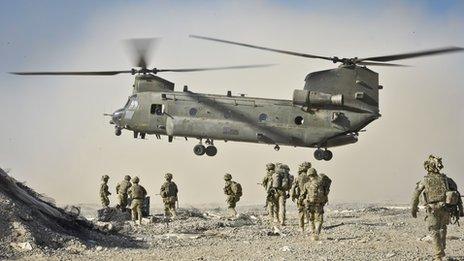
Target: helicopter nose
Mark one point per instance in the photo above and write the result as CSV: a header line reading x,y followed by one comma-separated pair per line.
x,y
117,116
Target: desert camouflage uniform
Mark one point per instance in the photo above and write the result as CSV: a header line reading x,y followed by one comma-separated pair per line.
x,y
280,193
121,189
434,187
297,192
104,192
232,198
267,184
168,192
137,194
315,194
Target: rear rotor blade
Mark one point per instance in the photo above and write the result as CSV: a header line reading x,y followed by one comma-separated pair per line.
x,y
213,68
91,73
388,58
263,48
141,49
381,64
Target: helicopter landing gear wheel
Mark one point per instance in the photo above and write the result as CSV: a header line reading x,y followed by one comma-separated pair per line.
x,y
276,147
319,154
199,150
117,131
136,134
328,155
211,151
142,135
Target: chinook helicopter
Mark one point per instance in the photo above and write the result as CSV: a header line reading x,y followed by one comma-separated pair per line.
x,y
331,110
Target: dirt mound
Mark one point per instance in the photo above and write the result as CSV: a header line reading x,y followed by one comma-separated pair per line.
x,y
30,222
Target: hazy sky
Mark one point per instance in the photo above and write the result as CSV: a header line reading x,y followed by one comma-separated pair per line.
x,y
53,134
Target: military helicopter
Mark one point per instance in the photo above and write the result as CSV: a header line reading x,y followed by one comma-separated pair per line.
x,y
331,110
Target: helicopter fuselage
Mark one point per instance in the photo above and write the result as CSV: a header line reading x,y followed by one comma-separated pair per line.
x,y
315,118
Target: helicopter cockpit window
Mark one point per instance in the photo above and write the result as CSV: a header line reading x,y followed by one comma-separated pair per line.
x,y
262,117
157,109
132,103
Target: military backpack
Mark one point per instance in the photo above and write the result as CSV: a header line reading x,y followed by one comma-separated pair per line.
x,y
315,191
170,190
435,188
138,192
236,189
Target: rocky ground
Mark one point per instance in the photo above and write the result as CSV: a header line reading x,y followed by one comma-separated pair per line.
x,y
351,232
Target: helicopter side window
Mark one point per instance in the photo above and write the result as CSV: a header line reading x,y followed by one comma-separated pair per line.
x,y
193,112
262,117
299,120
156,109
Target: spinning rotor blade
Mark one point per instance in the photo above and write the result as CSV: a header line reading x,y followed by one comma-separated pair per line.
x,y
141,49
263,48
381,64
388,58
95,73
213,68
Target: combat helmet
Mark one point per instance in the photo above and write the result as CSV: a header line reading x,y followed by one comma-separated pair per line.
x,y
227,177
168,176
135,180
311,172
270,166
433,164
105,177
127,177
305,164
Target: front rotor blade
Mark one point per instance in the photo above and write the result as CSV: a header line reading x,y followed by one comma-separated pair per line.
x,y
214,68
381,64
141,49
93,73
263,48
388,58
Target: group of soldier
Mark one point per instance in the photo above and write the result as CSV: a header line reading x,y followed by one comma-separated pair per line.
x,y
309,190
129,190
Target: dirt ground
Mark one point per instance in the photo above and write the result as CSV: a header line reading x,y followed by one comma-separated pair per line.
x,y
369,232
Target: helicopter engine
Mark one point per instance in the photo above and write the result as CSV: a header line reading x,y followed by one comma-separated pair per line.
x,y
316,99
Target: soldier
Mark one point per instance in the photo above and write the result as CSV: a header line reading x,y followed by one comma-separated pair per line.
x,y
137,194
280,186
442,201
121,189
104,193
315,194
267,184
233,191
297,192
169,194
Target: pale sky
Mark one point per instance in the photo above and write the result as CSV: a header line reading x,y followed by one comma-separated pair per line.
x,y
54,137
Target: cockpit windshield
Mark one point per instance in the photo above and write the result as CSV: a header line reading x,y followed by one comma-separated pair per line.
x,y
132,103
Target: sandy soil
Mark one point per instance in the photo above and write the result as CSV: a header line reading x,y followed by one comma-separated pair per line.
x,y
350,233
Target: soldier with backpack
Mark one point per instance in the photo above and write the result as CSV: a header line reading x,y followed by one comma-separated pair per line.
x,y
315,194
297,192
137,194
104,192
279,187
442,202
267,184
233,191
168,192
